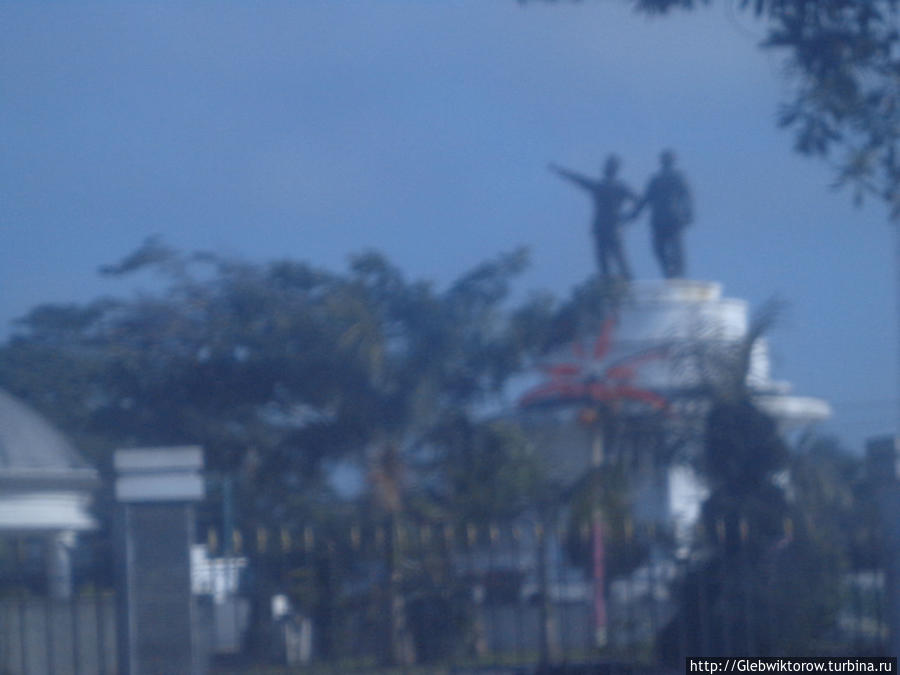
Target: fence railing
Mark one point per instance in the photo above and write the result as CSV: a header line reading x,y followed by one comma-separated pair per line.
x,y
76,636
527,592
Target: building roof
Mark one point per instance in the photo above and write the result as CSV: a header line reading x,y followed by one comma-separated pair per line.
x,y
35,454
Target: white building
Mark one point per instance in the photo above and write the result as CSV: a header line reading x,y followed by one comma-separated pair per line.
x,y
45,489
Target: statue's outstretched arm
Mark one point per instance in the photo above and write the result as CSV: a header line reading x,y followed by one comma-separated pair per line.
x,y
577,178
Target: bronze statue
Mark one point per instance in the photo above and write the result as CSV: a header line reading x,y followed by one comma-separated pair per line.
x,y
671,210
610,195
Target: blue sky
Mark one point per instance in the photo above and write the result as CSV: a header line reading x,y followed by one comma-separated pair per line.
x,y
423,129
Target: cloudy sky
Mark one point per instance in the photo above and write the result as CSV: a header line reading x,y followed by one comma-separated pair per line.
x,y
423,129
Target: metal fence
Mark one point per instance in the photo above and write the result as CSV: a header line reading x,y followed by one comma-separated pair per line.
x,y
39,636
527,592
356,596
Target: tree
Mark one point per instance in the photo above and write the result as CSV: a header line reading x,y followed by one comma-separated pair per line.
x,y
742,518
833,535
430,357
779,529
282,370
844,60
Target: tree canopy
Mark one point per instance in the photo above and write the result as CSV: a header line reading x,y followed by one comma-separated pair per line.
x,y
844,75
280,370
843,72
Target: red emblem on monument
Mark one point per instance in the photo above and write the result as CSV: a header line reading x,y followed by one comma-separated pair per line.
x,y
590,378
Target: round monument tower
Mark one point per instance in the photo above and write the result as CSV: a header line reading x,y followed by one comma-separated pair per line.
x,y
641,379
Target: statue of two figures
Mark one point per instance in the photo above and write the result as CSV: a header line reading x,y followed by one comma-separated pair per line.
x,y
671,210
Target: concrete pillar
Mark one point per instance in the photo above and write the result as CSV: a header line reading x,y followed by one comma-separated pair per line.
x,y
58,563
883,469
156,489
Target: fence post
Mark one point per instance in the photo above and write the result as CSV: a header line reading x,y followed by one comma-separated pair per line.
x,y
549,635
156,489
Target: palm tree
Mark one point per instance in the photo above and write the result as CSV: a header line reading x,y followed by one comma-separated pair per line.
x,y
741,456
422,359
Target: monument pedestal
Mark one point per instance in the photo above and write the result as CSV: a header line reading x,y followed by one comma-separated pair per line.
x,y
631,395
654,352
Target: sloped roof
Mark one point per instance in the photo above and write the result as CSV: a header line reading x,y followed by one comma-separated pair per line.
x,y
33,453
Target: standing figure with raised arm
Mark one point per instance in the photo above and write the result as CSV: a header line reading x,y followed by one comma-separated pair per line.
x,y
671,210
610,195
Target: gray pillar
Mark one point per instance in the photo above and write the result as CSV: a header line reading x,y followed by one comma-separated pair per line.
x,y
58,562
156,489
883,469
